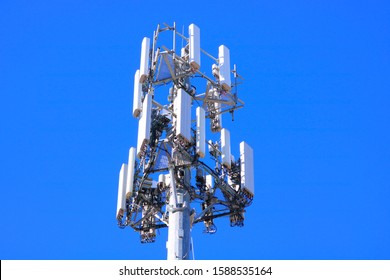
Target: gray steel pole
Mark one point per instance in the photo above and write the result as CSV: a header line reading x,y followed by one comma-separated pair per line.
x,y
179,233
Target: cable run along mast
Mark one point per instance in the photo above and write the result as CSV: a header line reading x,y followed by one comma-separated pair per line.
x,y
171,170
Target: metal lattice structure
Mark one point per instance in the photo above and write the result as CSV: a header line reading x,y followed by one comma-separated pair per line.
x,y
170,169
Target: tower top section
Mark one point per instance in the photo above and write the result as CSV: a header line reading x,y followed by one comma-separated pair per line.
x,y
178,92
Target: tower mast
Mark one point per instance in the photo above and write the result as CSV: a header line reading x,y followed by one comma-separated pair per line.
x,y
169,168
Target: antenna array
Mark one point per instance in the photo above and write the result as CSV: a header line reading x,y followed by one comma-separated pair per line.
x,y
170,167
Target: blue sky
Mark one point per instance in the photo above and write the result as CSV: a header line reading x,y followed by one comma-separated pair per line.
x,y
317,115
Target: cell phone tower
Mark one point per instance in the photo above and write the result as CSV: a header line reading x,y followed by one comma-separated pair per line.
x,y
170,171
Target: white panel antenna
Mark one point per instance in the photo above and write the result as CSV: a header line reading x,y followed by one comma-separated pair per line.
x,y
164,180
209,181
144,126
167,179
144,62
247,169
182,108
130,173
137,102
225,148
194,46
224,67
211,146
121,204
161,180
200,132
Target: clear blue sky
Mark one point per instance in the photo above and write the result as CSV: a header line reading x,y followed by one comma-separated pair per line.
x,y
317,115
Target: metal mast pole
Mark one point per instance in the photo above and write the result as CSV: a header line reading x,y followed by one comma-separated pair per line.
x,y
178,244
